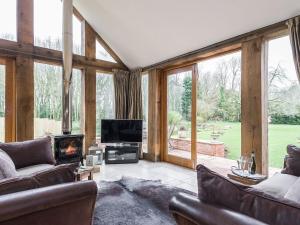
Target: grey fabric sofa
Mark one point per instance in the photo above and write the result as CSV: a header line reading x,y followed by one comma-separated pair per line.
x,y
31,156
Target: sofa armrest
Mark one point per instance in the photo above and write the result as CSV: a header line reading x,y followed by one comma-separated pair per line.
x,y
189,210
66,204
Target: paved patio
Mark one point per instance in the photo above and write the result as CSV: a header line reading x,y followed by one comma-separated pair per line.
x,y
218,164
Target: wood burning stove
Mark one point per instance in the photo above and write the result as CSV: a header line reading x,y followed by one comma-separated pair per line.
x,y
68,148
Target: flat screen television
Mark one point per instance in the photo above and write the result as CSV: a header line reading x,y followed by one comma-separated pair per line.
x,y
121,131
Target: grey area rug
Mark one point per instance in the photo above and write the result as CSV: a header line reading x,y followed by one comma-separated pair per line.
x,y
132,201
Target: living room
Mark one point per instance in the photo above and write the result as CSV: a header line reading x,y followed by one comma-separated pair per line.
x,y
149,112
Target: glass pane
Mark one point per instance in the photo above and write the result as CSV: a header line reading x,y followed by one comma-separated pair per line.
x,y
47,99
8,20
76,102
283,102
219,108
145,89
2,103
102,54
48,24
105,99
179,114
77,43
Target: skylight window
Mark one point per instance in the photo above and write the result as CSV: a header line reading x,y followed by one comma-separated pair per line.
x,y
8,20
102,54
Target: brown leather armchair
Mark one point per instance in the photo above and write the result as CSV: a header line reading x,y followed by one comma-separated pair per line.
x,y
64,204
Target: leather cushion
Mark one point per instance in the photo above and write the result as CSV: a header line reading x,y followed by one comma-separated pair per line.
x,y
7,167
218,190
29,153
292,161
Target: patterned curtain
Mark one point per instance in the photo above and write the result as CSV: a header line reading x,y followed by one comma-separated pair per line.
x,y
294,33
135,110
121,92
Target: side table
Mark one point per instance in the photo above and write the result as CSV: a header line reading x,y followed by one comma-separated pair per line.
x,y
82,174
244,180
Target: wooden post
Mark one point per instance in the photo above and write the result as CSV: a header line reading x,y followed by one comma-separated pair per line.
x,y
89,87
10,100
154,111
24,73
253,103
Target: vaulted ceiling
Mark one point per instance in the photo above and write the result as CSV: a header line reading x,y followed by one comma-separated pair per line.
x,y
144,32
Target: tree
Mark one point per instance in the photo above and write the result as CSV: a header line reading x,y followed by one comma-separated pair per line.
x,y
186,98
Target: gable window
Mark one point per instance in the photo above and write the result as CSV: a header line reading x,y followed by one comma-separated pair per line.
x,y
283,101
48,24
8,20
102,54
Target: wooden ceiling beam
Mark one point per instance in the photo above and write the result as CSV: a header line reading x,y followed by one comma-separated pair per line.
x,y
13,49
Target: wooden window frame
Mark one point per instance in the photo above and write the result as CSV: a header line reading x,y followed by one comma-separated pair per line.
x,y
192,162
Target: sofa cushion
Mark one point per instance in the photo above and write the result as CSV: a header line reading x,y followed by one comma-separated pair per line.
x,y
218,190
7,167
293,194
30,153
29,170
274,185
16,184
56,175
292,161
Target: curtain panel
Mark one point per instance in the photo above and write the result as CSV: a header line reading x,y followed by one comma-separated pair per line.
x,y
121,92
135,109
294,33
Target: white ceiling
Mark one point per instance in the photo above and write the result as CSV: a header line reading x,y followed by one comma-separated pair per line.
x,y
144,32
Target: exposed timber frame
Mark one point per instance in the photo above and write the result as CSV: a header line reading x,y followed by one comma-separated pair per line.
x,y
19,58
254,99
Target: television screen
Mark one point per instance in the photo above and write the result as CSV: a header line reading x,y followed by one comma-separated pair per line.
x,y
121,131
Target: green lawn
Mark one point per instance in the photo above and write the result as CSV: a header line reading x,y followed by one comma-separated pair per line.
x,y
279,137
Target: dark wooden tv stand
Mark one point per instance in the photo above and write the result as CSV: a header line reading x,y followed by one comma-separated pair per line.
x,y
118,154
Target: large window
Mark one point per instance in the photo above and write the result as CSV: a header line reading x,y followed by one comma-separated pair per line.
x,y
145,90
48,24
104,99
283,101
219,106
76,101
2,103
47,99
77,34
8,19
102,54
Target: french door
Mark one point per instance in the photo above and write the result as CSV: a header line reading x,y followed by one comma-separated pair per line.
x,y
7,100
179,116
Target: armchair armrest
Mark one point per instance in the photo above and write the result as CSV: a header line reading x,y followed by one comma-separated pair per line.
x,y
189,210
65,204
57,175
